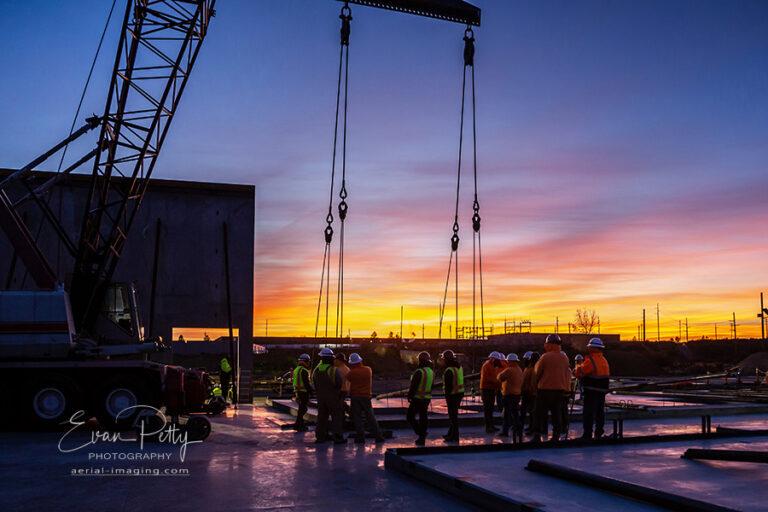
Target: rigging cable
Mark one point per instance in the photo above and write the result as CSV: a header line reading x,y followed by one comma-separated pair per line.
x,y
477,258
346,17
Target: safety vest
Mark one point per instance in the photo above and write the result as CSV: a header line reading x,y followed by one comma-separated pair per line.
x,y
327,369
224,365
217,391
457,385
298,381
601,370
424,391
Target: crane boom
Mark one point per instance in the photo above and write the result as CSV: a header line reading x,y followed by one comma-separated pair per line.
x,y
157,49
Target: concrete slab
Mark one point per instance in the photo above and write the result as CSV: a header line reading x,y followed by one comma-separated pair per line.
x,y
741,486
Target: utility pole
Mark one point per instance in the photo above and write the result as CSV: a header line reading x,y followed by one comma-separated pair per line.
x,y
644,338
401,323
734,326
266,328
715,330
557,325
686,329
658,328
761,316
598,326
422,331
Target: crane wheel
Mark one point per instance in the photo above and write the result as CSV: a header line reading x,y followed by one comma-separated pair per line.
x,y
198,428
50,401
119,402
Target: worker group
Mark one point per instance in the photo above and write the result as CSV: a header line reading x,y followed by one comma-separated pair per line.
x,y
532,391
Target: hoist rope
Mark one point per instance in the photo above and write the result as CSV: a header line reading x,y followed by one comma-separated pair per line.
x,y
477,258
325,276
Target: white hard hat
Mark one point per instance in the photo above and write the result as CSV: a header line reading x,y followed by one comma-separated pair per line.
x,y
512,357
326,352
304,357
496,355
596,343
354,358
528,355
578,357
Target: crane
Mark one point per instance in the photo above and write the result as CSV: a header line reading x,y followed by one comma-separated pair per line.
x,y
158,46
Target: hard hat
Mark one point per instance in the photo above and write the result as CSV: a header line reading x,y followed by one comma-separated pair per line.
x,y
527,355
512,357
554,338
354,358
578,358
326,352
424,357
448,354
596,343
496,355
304,357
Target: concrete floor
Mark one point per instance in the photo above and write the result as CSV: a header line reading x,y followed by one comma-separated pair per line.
x,y
248,463
742,486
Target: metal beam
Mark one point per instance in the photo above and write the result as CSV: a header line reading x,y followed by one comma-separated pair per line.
x,y
456,11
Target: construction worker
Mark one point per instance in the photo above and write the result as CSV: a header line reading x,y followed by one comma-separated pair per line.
x,y
595,374
360,379
419,396
341,364
553,382
302,388
453,388
529,390
225,376
327,381
511,379
578,361
490,387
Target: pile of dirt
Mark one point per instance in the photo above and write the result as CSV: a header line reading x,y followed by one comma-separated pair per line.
x,y
758,360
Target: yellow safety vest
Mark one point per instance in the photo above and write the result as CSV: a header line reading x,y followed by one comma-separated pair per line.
x,y
225,366
424,391
458,381
298,381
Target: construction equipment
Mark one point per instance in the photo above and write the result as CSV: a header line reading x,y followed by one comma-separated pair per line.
x,y
79,345
76,342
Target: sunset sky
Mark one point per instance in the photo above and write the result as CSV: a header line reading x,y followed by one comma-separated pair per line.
x,y
622,150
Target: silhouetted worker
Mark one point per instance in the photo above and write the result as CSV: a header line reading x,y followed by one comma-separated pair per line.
x,y
595,374
341,364
528,390
453,388
577,361
302,389
225,376
419,396
360,379
327,381
511,379
553,380
490,387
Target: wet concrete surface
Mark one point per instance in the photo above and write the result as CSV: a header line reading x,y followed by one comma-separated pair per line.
x,y
248,463
741,486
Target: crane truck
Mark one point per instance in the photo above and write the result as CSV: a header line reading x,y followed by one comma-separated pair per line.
x,y
75,342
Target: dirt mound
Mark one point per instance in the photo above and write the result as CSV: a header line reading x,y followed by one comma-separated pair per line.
x,y
758,360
